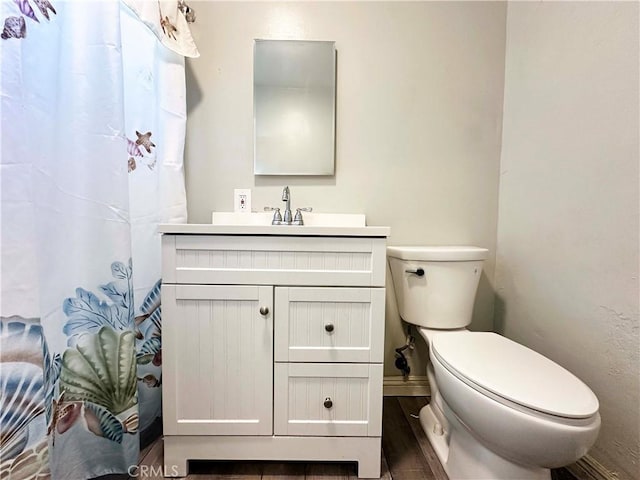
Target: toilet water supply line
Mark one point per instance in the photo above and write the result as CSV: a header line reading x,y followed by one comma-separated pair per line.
x,y
401,360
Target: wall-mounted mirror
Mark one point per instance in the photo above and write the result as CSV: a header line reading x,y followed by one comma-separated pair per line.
x,y
294,86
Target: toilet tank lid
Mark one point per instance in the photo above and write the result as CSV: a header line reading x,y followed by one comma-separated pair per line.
x,y
515,372
438,253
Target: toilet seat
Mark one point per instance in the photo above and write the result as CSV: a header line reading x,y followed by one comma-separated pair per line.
x,y
513,374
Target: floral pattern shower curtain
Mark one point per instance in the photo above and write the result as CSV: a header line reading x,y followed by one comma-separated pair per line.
x,y
93,124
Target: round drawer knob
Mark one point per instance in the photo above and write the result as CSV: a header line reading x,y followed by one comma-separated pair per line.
x,y
329,327
328,403
264,310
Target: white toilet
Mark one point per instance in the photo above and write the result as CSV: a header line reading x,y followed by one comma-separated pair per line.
x,y
498,410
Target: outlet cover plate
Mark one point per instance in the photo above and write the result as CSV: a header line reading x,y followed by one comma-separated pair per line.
x,y
242,200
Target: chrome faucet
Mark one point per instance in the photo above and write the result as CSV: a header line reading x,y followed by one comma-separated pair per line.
x,y
287,219
286,197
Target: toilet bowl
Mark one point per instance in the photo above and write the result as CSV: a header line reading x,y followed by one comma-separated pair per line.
x,y
498,410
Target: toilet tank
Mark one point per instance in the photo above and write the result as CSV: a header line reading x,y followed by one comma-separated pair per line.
x,y
443,296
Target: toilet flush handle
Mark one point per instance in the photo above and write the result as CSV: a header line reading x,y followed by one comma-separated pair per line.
x,y
418,271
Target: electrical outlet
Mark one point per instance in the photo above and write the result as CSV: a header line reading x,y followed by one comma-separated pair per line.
x,y
242,200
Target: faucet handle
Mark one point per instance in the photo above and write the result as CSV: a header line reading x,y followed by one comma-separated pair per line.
x,y
277,216
297,220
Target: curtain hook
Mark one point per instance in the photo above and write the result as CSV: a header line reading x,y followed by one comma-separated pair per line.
x,y
187,11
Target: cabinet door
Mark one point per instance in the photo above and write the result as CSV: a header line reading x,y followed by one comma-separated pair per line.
x,y
325,324
217,360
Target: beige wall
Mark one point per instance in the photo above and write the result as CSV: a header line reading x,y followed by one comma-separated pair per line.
x,y
419,116
567,267
419,124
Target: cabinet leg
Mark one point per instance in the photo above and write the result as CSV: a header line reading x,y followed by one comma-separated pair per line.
x,y
174,465
369,467
175,469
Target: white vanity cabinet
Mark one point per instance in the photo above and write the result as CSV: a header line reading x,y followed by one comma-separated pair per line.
x,y
273,344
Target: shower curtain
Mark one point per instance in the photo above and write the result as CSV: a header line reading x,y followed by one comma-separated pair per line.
x,y
93,125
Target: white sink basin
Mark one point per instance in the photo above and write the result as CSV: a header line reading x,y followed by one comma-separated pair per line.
x,y
311,219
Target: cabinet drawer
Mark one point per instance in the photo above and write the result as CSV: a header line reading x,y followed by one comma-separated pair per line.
x,y
272,260
353,390
329,324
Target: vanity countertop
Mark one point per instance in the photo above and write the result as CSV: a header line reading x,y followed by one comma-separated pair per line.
x,y
282,230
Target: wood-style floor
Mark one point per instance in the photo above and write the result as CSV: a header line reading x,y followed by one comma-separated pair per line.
x,y
407,455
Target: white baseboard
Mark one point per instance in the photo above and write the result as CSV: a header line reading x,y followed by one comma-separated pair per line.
x,y
588,468
411,386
